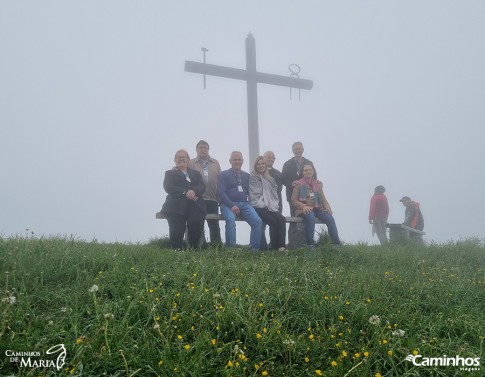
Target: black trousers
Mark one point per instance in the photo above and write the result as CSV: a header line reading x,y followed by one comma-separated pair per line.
x,y
214,230
277,226
193,221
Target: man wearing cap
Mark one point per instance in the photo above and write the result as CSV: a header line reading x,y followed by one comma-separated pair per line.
x,y
413,216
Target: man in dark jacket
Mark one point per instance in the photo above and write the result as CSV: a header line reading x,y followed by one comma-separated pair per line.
x,y
292,171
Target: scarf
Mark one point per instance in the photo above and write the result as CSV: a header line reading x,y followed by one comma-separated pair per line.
x,y
312,185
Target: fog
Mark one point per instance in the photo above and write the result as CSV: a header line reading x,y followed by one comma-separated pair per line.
x,y
94,102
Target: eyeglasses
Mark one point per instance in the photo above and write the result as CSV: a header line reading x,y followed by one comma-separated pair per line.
x,y
181,158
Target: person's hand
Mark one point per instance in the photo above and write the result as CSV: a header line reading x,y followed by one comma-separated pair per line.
x,y
307,209
235,210
320,184
190,194
294,183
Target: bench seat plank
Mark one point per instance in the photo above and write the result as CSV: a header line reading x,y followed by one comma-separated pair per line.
x,y
211,216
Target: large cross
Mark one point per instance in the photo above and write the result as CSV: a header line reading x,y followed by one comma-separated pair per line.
x,y
252,78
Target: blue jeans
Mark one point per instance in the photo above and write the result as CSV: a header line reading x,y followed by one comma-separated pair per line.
x,y
327,219
248,213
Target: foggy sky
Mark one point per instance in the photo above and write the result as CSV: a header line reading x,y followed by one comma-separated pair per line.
x,y
94,102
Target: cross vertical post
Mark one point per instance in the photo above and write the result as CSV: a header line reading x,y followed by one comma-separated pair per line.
x,y
252,91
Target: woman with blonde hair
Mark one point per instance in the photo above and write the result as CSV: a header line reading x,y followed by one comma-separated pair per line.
x,y
263,196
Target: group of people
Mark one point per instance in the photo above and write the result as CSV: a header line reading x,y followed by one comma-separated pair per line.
x,y
379,212
196,187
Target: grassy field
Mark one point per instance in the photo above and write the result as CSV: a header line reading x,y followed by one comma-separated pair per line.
x,y
138,310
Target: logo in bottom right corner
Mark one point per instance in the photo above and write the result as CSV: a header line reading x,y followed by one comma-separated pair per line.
x,y
469,364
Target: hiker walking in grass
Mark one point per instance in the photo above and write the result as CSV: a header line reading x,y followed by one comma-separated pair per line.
x,y
378,214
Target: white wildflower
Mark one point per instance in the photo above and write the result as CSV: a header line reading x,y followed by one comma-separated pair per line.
x,y
94,288
9,300
289,342
398,332
109,316
238,350
375,320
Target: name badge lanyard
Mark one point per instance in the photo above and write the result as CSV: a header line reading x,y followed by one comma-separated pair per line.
x,y
186,176
298,168
239,182
205,170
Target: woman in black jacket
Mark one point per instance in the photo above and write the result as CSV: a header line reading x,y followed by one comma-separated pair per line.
x,y
184,206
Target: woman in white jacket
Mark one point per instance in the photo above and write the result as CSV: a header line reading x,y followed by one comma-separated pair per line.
x,y
263,196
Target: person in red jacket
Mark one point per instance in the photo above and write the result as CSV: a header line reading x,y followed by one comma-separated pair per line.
x,y
378,214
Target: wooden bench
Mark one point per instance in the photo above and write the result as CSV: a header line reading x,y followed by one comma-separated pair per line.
x,y
296,235
404,233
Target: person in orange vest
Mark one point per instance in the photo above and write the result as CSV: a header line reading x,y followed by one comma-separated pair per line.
x,y
413,216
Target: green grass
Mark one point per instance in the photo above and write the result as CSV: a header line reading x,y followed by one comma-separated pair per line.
x,y
238,313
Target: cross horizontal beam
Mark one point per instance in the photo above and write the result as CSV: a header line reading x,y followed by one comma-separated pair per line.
x,y
242,74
